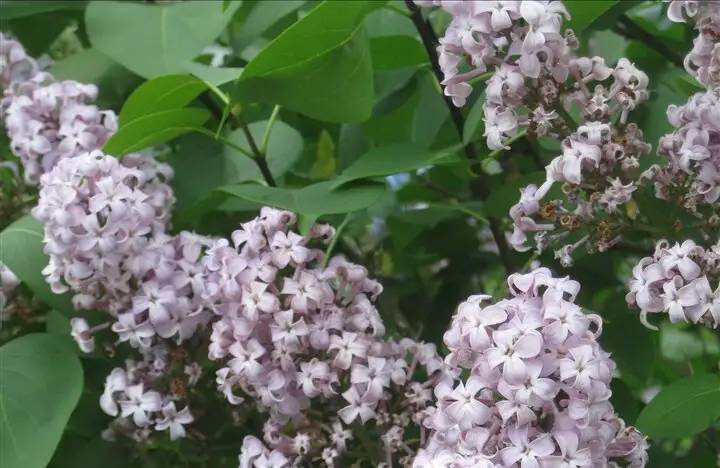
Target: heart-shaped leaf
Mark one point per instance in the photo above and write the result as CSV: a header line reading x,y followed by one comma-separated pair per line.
x,y
683,408
329,78
21,249
41,384
155,39
153,129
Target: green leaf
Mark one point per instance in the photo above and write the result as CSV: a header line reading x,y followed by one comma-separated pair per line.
x,y
431,112
21,249
19,9
682,344
312,201
161,94
583,13
389,52
153,129
319,66
41,383
214,75
474,121
390,159
114,81
58,324
154,39
223,165
325,162
261,17
682,409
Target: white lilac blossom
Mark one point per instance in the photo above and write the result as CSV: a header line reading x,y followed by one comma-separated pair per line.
x,y
8,283
691,175
535,389
15,65
299,337
47,121
703,61
681,280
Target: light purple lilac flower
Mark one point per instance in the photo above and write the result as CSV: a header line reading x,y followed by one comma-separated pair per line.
x,y
703,61
48,120
537,391
681,280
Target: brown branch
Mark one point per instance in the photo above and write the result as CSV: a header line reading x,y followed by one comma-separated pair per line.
x,y
258,155
479,184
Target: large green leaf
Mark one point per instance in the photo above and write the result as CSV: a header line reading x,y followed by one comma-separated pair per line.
x,y
159,94
320,66
114,81
391,159
41,383
21,249
153,129
683,408
213,75
10,9
155,39
389,52
261,17
585,12
312,201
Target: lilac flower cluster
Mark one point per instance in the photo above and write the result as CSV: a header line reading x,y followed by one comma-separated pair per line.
x,y
703,61
597,170
691,175
301,338
521,42
537,391
48,121
15,64
682,280
129,395
105,223
99,216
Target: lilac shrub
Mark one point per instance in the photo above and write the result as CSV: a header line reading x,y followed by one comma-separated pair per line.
x,y
535,385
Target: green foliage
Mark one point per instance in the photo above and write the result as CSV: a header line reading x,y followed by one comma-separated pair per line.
x,y
160,94
312,201
41,383
683,408
155,39
21,249
329,78
389,160
584,12
155,128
